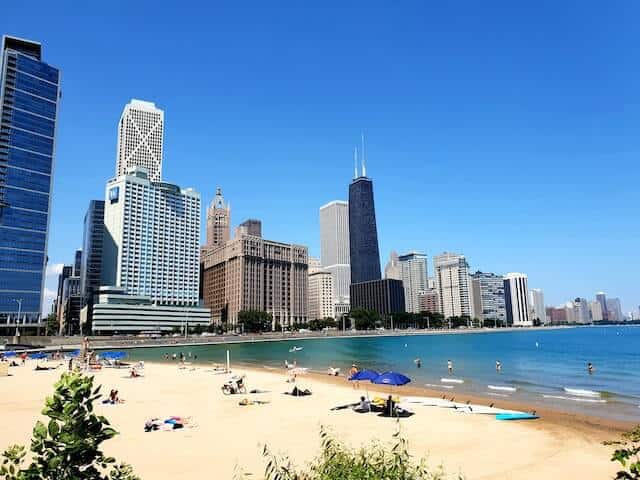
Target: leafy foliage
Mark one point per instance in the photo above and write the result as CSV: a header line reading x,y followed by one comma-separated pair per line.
x,y
373,462
68,446
364,319
255,321
627,453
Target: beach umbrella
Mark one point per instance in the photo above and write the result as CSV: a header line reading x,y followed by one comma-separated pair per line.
x,y
363,375
113,355
8,354
38,356
73,354
391,378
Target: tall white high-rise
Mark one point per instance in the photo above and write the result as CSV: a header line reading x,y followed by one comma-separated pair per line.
x,y
451,272
321,296
413,272
334,246
536,305
140,137
516,300
151,239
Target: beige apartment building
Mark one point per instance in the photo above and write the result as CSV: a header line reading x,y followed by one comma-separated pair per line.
x,y
251,273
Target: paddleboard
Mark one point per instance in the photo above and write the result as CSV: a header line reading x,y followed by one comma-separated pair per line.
x,y
516,416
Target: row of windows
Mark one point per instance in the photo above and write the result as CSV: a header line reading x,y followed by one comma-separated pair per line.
x,y
33,123
29,141
10,238
21,260
11,217
39,69
30,180
25,199
36,86
14,280
24,101
30,160
30,302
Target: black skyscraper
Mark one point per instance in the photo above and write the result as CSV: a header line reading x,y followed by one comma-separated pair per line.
x,y
363,234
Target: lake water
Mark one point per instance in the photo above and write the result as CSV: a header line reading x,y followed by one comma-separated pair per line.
x,y
538,364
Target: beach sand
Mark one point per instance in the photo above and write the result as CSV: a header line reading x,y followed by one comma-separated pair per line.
x,y
228,436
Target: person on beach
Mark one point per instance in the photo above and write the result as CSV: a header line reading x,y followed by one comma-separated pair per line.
x,y
498,366
418,362
450,366
352,372
71,364
362,407
590,368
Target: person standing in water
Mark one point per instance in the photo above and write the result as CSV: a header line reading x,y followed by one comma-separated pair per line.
x,y
590,368
450,366
498,366
418,362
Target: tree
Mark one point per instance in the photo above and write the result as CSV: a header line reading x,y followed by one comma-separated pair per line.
x,y
68,447
52,325
627,454
255,321
364,319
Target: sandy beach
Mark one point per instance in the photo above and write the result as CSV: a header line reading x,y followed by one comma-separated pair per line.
x,y
228,436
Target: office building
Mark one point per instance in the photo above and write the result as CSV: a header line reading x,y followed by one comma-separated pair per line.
x,y
614,310
151,237
595,309
536,305
117,312
392,269
488,297
364,253
384,296
92,240
321,295
601,298
29,97
140,139
71,305
581,311
516,300
413,272
218,221
251,273
334,247
453,284
314,265
250,226
429,301
58,304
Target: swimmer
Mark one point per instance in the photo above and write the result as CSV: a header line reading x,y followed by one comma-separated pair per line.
x,y
450,366
498,366
590,368
418,362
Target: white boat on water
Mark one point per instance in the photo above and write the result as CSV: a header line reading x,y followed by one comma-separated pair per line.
x,y
295,349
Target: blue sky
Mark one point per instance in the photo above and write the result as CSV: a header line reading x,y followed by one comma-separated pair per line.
x,y
504,130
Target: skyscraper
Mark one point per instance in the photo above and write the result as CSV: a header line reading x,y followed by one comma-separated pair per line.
x,y
321,296
601,298
140,138
516,300
392,269
218,221
77,263
614,310
488,290
92,240
151,241
363,233
451,272
29,97
413,272
334,246
251,226
536,305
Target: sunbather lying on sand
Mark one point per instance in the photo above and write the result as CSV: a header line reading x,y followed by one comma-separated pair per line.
x,y
247,401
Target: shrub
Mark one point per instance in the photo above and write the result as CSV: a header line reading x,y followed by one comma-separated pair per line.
x,y
627,454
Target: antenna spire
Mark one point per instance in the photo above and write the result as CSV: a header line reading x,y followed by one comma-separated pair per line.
x,y
364,168
355,162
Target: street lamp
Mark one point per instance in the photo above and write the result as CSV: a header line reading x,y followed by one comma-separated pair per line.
x,y
19,300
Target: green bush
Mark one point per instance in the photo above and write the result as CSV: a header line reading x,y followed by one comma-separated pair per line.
x,y
68,447
627,454
372,462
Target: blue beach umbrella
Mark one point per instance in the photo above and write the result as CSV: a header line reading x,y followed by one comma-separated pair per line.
x,y
113,355
391,378
363,375
10,353
73,354
38,356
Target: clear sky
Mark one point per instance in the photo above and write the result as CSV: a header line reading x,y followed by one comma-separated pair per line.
x,y
507,131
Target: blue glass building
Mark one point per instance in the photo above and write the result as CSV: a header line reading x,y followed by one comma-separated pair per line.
x,y
29,96
363,233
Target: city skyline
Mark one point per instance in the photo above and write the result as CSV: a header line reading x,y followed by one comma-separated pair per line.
x,y
561,159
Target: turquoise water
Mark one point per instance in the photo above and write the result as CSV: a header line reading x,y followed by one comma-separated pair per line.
x,y
538,364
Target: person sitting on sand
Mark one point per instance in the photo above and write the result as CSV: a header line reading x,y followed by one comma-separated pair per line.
x,y
133,373
363,407
389,407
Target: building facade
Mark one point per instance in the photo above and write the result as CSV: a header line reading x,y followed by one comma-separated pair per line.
x,y
517,300
92,240
334,246
614,310
321,295
601,298
71,305
251,273
429,301
384,296
250,226
29,98
453,284
488,296
151,239
595,309
140,139
58,304
218,221
364,254
413,272
392,269
536,305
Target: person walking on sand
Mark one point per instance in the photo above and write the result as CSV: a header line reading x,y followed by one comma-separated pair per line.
x,y
498,366
450,366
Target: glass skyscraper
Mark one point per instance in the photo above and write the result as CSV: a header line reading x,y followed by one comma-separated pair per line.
x,y
29,96
363,233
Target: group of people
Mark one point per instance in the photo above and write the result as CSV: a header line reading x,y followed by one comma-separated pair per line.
x,y
182,356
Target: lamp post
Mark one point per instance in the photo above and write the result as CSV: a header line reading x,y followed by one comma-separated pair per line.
x,y
19,300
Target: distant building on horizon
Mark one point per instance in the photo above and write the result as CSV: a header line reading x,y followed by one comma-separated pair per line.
x,y
218,221
29,100
392,269
582,312
614,310
536,305
91,268
488,297
453,284
595,309
516,300
250,226
140,139
413,274
601,298
334,247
